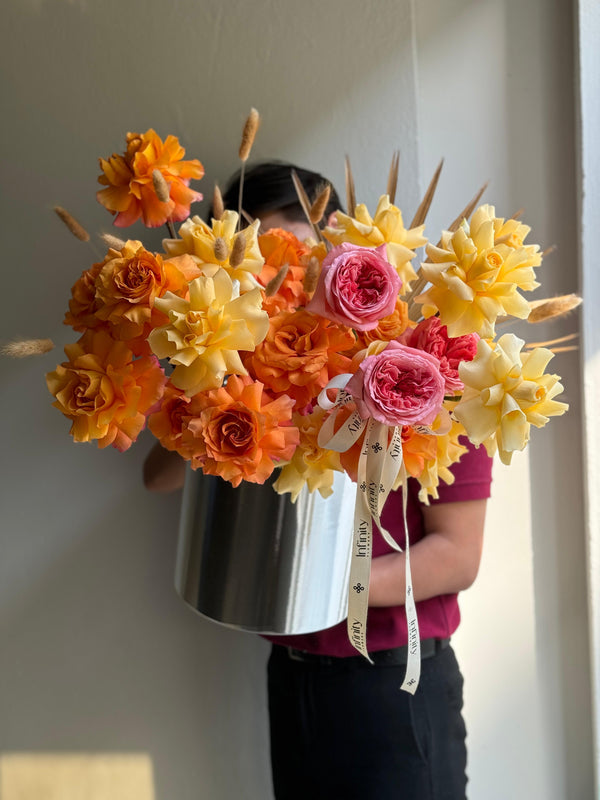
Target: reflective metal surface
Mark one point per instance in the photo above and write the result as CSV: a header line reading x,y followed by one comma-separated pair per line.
x,y
251,559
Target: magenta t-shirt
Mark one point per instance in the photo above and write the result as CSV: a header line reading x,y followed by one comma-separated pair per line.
x,y
438,616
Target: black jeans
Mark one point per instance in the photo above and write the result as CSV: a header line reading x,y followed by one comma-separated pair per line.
x,y
345,730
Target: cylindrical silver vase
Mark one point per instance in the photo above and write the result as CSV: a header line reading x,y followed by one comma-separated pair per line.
x,y
251,559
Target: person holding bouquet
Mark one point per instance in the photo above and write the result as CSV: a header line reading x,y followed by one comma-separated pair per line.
x,y
339,725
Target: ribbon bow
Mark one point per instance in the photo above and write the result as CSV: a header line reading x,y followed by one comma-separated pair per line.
x,y
379,465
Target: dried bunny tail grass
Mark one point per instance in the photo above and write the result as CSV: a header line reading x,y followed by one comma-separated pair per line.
x,y
249,134
220,249
551,342
318,207
302,196
238,250
250,220
161,187
548,251
112,241
274,284
305,204
569,349
311,276
392,183
468,209
423,209
350,192
218,205
78,231
552,307
23,348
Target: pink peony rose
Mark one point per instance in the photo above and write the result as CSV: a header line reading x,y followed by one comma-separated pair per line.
x,y
357,287
399,386
432,337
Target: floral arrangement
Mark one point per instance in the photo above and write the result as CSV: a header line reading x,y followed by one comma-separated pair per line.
x,y
340,353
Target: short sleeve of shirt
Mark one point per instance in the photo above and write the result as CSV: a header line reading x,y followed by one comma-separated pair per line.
x,y
472,477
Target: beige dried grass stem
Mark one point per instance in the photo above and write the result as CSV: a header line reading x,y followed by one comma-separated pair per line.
x,y
248,136
422,211
161,187
548,251
392,182
318,207
551,342
414,311
220,249
552,307
76,228
311,275
238,250
518,213
23,348
570,349
350,191
305,203
274,284
112,241
250,220
218,206
468,209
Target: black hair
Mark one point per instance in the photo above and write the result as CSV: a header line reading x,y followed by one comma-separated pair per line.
x,y
268,186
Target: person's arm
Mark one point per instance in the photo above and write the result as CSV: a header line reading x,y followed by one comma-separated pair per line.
x,y
164,470
444,561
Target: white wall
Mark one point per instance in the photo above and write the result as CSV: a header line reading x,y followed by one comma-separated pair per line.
x,y
97,654
496,92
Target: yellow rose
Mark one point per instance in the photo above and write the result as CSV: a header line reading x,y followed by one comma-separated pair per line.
x,y
476,273
386,227
507,391
310,465
206,332
199,239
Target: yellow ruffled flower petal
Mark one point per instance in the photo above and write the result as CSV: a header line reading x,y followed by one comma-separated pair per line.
x,y
198,239
507,391
386,227
206,332
310,465
449,450
476,274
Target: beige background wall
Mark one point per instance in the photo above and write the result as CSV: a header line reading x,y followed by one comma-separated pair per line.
x,y
504,111
98,655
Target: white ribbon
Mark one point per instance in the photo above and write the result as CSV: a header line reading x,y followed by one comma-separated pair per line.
x,y
378,466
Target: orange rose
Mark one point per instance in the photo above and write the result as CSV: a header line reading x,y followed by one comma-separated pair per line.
x,y
127,285
280,247
388,328
241,432
83,304
130,191
103,391
417,448
170,421
300,355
